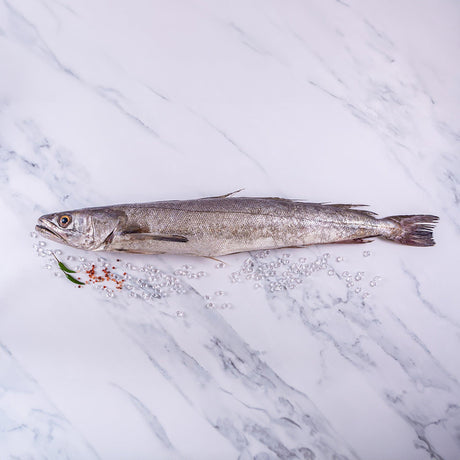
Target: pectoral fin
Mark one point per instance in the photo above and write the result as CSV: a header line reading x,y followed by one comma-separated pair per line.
x,y
140,236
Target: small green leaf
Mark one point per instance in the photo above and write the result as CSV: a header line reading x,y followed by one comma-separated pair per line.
x,y
63,267
71,278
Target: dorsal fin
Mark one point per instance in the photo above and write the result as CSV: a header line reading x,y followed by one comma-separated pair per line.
x,y
223,196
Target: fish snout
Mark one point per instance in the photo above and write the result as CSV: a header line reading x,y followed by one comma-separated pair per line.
x,y
47,229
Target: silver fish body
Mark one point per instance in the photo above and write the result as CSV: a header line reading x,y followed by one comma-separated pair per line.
x,y
224,225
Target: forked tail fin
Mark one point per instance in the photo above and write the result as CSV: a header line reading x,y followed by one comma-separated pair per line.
x,y
413,230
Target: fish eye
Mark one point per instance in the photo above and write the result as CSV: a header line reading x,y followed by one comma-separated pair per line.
x,y
64,220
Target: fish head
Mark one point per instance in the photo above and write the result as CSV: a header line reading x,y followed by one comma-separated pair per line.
x,y
87,229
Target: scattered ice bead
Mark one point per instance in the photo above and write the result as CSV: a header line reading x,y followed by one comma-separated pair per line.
x,y
209,305
180,314
70,258
220,293
302,260
33,234
48,267
365,295
339,259
58,252
81,259
226,306
257,286
372,283
358,290
207,297
201,274
220,265
358,277
351,284
345,274
42,244
366,253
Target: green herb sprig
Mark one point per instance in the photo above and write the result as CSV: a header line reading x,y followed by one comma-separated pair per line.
x,y
67,272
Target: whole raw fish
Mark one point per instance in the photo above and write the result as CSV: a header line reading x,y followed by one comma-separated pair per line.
x,y
223,225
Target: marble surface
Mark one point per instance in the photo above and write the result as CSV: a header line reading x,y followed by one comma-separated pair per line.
x,y
337,352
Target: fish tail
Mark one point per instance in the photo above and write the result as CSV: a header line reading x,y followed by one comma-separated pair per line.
x,y
412,230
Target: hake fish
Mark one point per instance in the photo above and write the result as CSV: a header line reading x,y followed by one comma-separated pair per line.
x,y
218,226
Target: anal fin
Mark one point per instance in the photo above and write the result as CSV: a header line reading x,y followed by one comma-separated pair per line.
x,y
366,239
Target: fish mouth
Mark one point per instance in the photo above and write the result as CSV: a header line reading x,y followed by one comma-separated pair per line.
x,y
43,228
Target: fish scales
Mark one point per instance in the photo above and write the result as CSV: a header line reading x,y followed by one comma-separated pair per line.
x,y
223,225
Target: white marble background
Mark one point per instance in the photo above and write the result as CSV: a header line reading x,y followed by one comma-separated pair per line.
x,y
104,102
